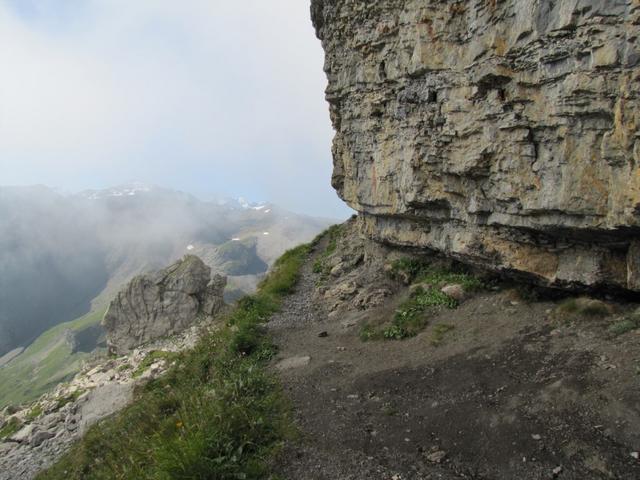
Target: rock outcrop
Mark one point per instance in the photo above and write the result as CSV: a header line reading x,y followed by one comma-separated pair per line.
x,y
502,133
162,303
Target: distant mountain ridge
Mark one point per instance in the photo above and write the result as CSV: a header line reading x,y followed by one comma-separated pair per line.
x,y
64,255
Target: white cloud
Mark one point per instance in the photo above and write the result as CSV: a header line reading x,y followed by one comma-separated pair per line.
x,y
115,88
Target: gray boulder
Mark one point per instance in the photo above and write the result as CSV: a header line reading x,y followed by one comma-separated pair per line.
x,y
162,303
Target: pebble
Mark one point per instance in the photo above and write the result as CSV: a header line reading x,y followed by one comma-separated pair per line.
x,y
557,471
323,334
535,436
635,455
436,456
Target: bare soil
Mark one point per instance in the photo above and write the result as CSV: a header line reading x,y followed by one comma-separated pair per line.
x,y
511,392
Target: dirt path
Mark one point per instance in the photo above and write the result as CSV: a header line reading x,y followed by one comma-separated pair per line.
x,y
507,395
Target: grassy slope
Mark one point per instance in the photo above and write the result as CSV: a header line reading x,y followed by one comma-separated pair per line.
x,y
217,414
45,363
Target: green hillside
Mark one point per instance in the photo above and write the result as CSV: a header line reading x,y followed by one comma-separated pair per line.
x,y
48,361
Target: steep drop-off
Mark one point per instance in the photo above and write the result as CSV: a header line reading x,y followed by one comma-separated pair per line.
x,y
502,133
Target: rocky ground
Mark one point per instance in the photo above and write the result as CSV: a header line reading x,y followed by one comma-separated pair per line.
x,y
515,386
512,383
47,428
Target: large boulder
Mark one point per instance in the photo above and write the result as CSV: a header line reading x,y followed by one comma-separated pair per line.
x,y
162,303
503,133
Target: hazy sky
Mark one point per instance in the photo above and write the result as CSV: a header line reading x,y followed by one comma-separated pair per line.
x,y
206,96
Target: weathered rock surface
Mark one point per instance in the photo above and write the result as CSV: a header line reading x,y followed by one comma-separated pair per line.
x,y
163,303
503,133
59,418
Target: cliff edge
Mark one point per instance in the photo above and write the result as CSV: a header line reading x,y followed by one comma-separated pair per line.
x,y
504,134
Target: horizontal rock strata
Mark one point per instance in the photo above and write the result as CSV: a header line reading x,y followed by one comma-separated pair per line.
x,y
501,132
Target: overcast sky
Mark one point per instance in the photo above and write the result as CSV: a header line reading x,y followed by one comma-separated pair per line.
x,y
206,96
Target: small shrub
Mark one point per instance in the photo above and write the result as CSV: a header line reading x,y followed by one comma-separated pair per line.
x,y
124,367
396,332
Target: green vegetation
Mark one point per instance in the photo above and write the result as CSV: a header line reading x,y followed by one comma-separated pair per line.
x,y
151,358
34,413
573,309
411,316
72,397
11,427
625,325
333,234
409,266
47,362
439,332
216,414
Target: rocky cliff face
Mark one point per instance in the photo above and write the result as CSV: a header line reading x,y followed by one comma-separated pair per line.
x,y
163,303
501,132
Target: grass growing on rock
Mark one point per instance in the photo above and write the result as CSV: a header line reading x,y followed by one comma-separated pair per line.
x,y
216,414
333,234
151,358
34,413
411,317
72,397
11,427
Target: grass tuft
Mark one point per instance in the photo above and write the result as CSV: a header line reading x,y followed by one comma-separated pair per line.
x,y
574,308
34,413
439,332
411,316
72,397
320,265
216,414
11,427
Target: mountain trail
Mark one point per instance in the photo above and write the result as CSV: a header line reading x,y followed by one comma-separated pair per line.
x,y
506,393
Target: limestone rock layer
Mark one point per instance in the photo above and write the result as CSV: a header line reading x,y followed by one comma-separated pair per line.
x,y
501,132
162,303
